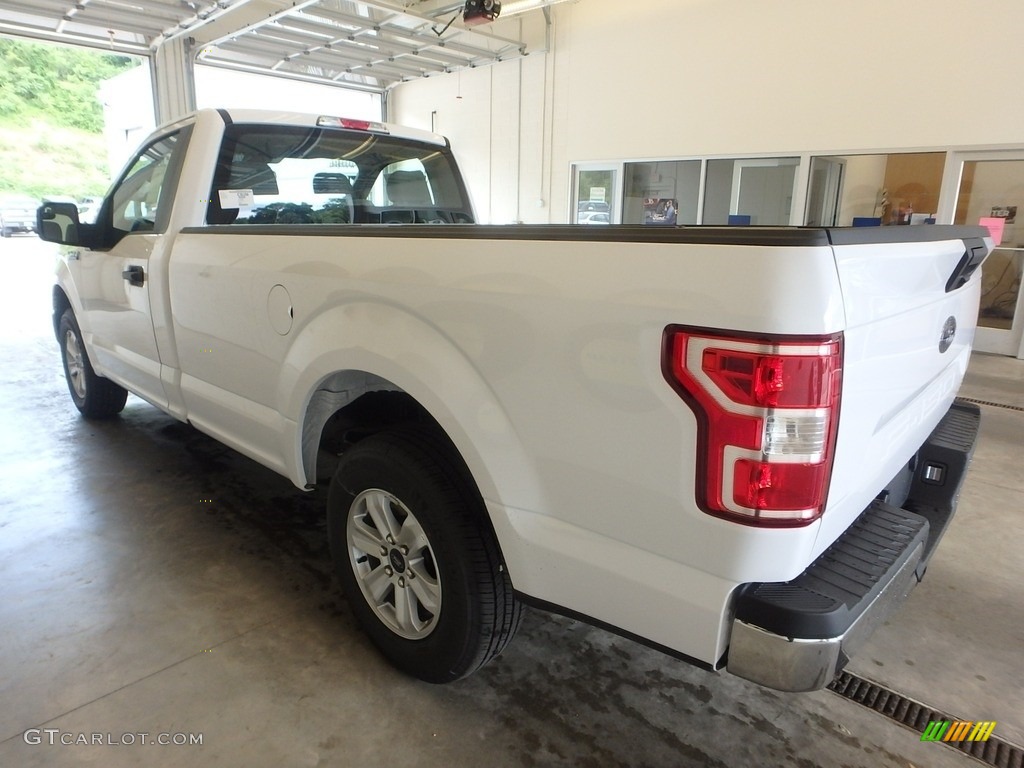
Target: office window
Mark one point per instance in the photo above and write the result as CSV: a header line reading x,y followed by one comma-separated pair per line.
x,y
662,192
754,191
874,190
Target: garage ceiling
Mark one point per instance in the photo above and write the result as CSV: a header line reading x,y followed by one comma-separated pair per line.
x,y
365,44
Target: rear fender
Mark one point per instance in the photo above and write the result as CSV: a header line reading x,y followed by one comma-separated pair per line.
x,y
366,346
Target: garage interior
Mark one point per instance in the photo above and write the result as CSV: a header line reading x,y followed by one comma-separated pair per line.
x,y
156,581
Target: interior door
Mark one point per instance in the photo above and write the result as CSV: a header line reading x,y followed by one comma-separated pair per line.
x,y
763,189
824,192
991,192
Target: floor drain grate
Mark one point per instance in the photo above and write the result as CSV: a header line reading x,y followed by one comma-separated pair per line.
x,y
993,404
916,716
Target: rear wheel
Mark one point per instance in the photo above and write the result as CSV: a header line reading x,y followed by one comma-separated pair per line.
x,y
416,556
95,396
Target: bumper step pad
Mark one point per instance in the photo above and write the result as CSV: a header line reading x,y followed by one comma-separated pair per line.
x,y
797,635
826,599
831,594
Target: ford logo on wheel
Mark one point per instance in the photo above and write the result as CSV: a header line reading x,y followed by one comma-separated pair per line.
x,y
948,334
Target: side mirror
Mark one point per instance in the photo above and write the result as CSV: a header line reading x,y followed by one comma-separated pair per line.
x,y
58,223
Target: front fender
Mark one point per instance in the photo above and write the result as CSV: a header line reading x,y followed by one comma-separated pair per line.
x,y
65,294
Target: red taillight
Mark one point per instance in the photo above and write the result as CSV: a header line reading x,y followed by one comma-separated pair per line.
x,y
355,125
771,380
327,121
767,410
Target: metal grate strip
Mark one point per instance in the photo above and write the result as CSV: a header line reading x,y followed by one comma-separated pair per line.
x,y
992,404
916,716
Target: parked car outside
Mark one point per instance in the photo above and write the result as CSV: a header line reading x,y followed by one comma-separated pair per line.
x,y
87,212
593,217
17,214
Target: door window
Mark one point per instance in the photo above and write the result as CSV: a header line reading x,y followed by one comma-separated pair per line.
x,y
595,194
136,200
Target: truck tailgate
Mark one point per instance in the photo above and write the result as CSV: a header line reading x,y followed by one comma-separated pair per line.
x,y
911,311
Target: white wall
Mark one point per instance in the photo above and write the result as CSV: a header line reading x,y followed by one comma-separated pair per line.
x,y
498,150
677,78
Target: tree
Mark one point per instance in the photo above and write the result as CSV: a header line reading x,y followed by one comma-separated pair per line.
x,y
57,83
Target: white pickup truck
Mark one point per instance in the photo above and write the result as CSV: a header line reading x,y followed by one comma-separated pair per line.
x,y
737,445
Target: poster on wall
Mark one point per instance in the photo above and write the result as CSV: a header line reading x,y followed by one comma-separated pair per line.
x,y
659,210
1006,212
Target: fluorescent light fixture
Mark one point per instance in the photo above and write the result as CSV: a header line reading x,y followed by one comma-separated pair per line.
x,y
514,7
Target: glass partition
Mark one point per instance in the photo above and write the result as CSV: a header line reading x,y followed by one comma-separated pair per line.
x,y
750,191
663,192
874,190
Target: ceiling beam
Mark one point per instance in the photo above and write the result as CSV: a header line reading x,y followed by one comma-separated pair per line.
x,y
104,44
216,12
354,83
431,40
338,59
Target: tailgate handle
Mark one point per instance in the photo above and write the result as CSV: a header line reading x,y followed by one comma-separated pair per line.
x,y
975,253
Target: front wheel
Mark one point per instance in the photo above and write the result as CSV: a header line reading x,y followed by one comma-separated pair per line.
x,y
93,395
416,557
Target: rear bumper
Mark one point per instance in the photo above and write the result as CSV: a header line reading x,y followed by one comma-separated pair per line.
x,y
798,635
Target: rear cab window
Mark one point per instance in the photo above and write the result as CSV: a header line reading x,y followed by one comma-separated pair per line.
x,y
271,174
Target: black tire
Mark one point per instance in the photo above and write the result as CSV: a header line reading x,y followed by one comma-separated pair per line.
x,y
477,613
95,396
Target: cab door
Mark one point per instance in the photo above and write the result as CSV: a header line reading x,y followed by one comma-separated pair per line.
x,y
115,283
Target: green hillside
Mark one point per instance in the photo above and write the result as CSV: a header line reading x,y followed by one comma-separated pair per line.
x,y
51,121
40,159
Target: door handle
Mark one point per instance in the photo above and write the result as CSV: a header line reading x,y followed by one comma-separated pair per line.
x,y
134,275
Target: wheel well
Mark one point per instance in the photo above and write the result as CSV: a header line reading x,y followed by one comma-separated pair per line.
x,y
347,408
60,303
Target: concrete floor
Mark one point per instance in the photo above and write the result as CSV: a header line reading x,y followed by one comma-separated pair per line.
x,y
152,581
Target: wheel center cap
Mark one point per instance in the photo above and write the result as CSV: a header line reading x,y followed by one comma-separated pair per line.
x,y
397,561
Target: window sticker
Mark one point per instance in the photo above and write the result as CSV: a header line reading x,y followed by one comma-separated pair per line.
x,y
236,198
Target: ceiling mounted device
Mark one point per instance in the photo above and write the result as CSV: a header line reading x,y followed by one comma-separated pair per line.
x,y
480,11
